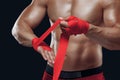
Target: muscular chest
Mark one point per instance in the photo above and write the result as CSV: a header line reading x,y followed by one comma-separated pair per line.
x,y
89,10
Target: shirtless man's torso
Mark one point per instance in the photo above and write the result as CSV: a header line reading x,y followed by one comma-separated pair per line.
x,y
82,53
84,50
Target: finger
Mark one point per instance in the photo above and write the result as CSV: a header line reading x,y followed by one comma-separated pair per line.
x,y
61,18
64,24
52,55
48,56
65,18
41,51
63,30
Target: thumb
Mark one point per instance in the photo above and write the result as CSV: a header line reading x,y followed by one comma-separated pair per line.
x,y
64,24
64,19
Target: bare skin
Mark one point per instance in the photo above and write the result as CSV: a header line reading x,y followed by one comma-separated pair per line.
x,y
84,50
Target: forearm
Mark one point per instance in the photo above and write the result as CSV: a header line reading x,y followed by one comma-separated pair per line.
x,y
23,33
108,37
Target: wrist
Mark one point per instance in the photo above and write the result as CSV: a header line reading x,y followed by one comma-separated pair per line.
x,y
83,26
90,28
35,43
78,26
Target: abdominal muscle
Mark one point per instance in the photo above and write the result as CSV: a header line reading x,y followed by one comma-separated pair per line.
x,y
82,53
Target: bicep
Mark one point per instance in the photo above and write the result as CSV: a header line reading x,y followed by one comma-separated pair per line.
x,y
32,15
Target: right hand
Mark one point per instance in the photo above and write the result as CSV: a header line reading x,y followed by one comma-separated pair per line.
x,y
48,55
44,49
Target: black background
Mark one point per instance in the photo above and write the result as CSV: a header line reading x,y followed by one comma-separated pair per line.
x,y
22,63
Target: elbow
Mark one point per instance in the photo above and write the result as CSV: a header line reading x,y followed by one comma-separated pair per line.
x,y
110,48
16,33
113,47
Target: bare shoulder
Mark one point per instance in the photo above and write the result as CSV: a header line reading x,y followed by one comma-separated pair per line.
x,y
106,3
40,2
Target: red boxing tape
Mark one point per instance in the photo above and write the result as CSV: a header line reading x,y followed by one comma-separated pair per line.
x,y
76,26
37,41
42,44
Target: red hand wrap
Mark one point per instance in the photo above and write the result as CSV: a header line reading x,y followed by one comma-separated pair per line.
x,y
39,41
76,26
42,44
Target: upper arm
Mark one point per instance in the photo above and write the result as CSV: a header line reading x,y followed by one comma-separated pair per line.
x,y
33,14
